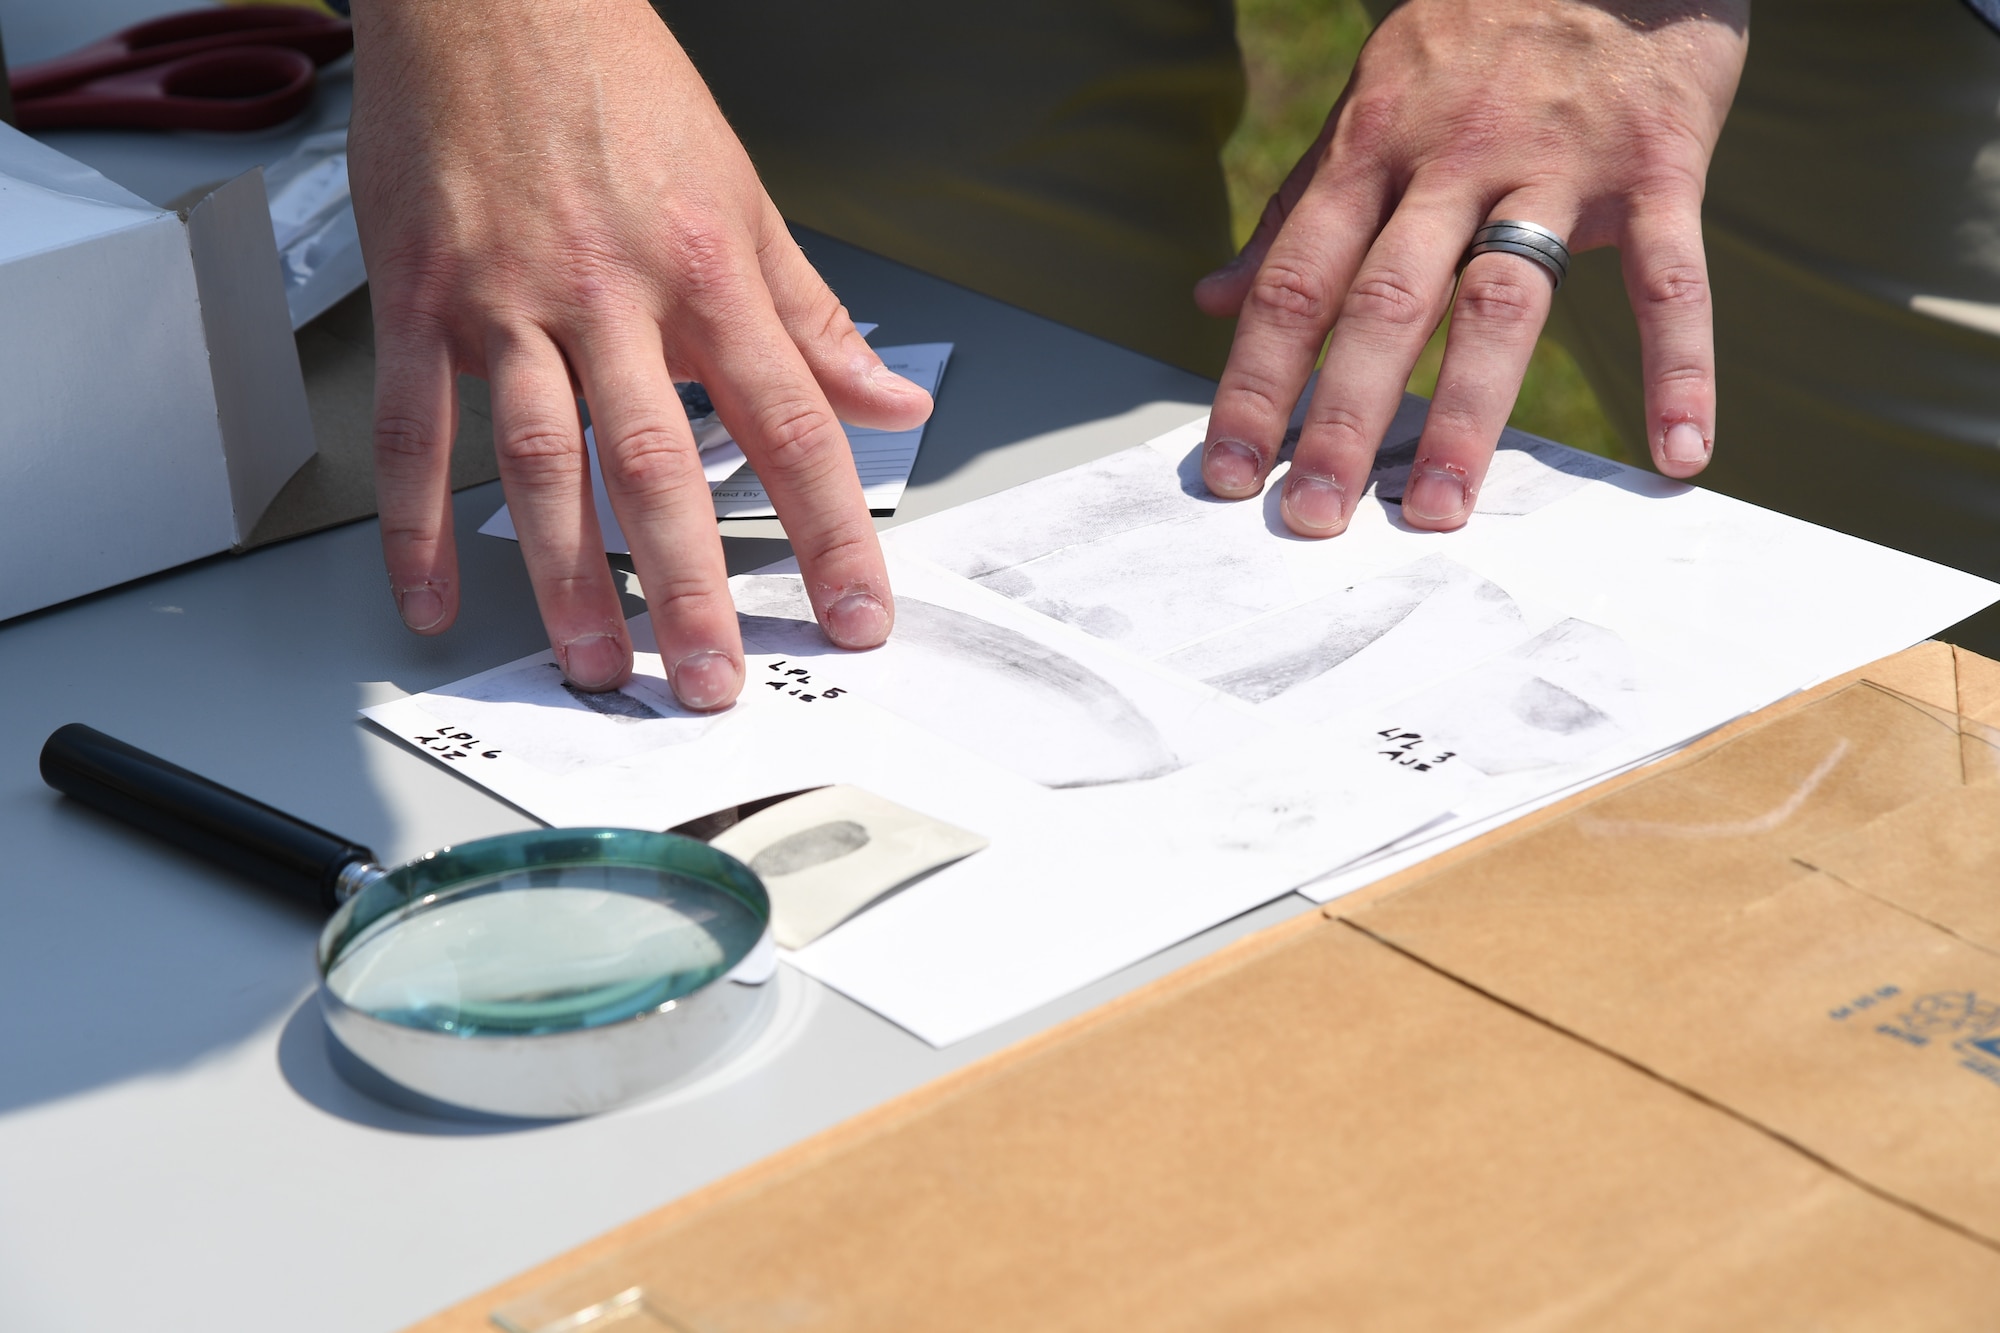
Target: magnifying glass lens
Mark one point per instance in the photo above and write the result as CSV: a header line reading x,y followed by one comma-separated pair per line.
x,y
544,949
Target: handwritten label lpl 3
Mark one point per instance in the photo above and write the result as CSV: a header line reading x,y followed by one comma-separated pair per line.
x,y
452,745
1408,750
795,682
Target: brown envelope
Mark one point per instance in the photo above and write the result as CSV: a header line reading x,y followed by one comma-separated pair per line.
x,y
1627,1065
1315,1133
1938,859
1669,924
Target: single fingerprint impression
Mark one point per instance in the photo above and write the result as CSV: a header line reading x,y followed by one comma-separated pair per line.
x,y
1547,706
614,704
991,689
810,847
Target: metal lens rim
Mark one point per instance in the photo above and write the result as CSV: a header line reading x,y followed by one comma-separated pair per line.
x,y
409,889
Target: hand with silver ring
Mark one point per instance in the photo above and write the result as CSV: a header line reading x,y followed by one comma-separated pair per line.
x,y
1530,242
1497,134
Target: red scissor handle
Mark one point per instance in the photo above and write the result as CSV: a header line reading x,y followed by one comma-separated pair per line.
x,y
164,40
236,88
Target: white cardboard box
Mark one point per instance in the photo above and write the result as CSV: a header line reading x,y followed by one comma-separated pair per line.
x,y
151,404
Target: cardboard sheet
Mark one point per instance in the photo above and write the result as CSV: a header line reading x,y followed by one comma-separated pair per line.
x,y
1632,1066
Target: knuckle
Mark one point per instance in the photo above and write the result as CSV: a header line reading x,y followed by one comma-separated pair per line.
x,y
796,434
1369,124
1675,286
1681,375
645,461
686,598
1497,298
1387,297
574,589
844,545
1458,423
704,256
1337,424
593,276
1289,295
418,274
407,446
540,453
411,546
1482,131
1250,392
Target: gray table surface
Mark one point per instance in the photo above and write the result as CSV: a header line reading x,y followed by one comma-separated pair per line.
x,y
176,1150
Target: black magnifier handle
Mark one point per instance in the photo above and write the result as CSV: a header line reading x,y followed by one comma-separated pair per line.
x,y
203,817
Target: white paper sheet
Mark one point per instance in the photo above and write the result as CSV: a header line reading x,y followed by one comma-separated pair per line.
x,y
1127,808
1165,709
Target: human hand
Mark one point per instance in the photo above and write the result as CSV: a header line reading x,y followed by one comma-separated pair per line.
x,y
1593,120
549,198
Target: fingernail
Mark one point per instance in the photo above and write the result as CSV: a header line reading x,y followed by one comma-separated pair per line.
x,y
1223,274
705,680
421,607
1684,445
1237,263
593,661
1230,468
1435,493
858,620
1314,502
888,381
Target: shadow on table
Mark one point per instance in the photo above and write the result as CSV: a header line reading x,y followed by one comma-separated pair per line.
x,y
320,1070
122,957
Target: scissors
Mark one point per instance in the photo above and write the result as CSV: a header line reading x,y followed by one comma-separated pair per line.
x,y
206,69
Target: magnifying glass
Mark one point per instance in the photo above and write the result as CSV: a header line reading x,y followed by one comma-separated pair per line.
x,y
545,974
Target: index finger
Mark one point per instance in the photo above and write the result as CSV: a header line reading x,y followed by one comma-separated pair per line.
x,y
653,476
774,408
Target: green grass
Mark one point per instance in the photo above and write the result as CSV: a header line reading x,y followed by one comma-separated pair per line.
x,y
1298,54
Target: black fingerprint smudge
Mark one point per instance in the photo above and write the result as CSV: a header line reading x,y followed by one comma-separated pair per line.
x,y
1266,680
1008,653
810,847
614,704
981,646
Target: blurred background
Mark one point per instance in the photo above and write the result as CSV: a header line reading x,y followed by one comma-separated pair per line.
x,y
1298,54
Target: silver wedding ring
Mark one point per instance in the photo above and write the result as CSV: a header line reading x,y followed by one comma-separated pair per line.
x,y
1525,239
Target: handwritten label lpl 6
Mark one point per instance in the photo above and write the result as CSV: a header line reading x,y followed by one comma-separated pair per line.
x,y
453,745
795,682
